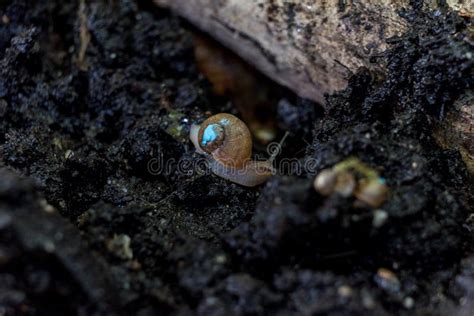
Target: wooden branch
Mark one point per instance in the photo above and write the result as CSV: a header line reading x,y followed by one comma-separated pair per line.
x,y
309,46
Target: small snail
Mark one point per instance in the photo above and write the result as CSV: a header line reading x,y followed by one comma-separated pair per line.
x,y
227,142
369,189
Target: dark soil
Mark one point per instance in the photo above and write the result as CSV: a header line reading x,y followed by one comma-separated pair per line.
x,y
87,229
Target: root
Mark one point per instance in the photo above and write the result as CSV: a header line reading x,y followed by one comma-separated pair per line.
x,y
84,35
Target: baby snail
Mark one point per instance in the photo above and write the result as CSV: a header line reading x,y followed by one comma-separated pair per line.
x,y
227,142
370,189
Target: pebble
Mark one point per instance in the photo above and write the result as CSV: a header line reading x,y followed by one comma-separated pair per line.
x,y
380,218
344,291
221,259
408,302
119,245
325,182
387,280
367,300
48,208
68,154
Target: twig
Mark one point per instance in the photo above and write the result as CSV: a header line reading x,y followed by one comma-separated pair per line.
x,y
84,35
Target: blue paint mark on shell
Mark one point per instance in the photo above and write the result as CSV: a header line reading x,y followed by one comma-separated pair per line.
x,y
211,134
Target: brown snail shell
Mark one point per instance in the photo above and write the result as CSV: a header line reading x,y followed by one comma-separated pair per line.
x,y
325,182
227,139
374,193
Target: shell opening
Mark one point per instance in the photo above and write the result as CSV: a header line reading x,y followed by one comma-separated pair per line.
x,y
212,137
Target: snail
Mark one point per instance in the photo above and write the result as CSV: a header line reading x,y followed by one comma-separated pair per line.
x,y
370,189
227,142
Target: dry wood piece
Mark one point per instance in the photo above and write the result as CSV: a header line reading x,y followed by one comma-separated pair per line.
x,y
309,46
457,130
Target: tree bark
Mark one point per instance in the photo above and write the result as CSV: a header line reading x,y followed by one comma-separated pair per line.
x,y
310,46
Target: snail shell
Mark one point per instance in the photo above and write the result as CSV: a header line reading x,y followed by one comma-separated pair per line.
x,y
325,182
228,141
374,192
329,181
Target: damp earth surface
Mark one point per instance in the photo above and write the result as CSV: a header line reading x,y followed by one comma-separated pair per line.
x,y
92,94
